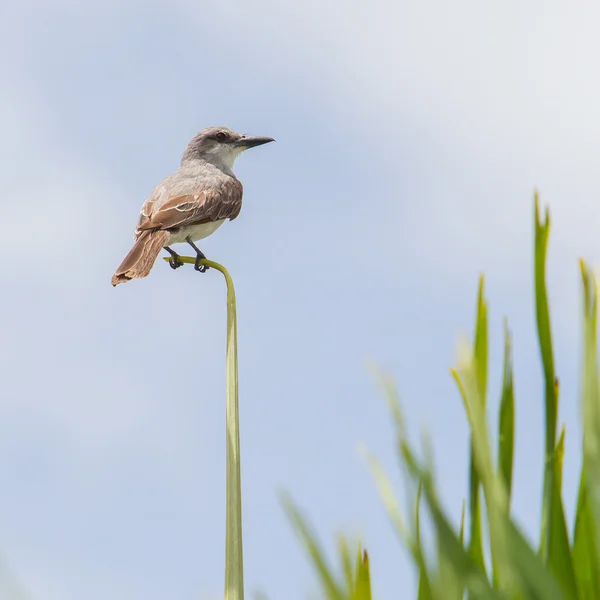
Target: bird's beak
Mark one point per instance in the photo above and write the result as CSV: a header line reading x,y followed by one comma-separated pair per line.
x,y
251,142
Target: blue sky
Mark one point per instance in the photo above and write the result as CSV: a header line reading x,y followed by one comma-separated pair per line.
x,y
410,137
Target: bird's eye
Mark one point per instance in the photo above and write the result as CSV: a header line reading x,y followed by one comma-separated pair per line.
x,y
221,136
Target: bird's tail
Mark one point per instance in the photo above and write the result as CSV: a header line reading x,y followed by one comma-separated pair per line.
x,y
140,259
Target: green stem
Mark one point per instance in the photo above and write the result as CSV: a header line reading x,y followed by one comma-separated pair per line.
x,y
234,558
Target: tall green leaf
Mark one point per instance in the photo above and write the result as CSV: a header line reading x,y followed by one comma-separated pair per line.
x,y
559,547
481,357
467,573
542,231
234,555
462,523
347,566
585,552
591,413
506,421
362,587
506,428
424,592
493,487
326,575
463,571
522,573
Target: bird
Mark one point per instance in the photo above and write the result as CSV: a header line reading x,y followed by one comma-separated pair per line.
x,y
191,203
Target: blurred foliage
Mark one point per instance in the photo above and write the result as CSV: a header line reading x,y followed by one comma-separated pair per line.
x,y
503,564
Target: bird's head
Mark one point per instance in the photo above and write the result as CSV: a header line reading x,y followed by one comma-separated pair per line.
x,y
221,146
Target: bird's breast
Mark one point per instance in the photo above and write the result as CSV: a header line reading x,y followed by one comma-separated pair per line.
x,y
195,232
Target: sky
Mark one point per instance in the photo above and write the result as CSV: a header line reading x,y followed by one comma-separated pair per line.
x,y
410,139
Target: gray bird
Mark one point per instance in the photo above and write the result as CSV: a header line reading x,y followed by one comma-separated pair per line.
x,y
190,204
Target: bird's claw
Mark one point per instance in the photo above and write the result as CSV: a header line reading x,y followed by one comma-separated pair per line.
x,y
175,263
200,268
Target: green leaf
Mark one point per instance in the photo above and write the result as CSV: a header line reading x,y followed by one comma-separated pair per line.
x,y
506,429
234,556
424,592
448,583
585,551
462,523
467,572
495,495
362,589
480,344
559,547
591,413
542,231
346,558
535,579
480,359
326,576
388,497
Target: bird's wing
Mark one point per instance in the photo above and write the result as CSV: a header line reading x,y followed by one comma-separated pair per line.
x,y
210,204
144,217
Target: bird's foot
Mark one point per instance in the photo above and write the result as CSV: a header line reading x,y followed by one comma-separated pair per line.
x,y
175,263
199,256
200,268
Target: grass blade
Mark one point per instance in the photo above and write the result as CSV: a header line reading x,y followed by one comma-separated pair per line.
x,y
591,405
506,431
522,573
464,571
330,586
462,523
493,488
585,551
467,572
362,589
559,547
542,232
481,352
535,579
424,591
506,428
410,541
344,552
234,555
